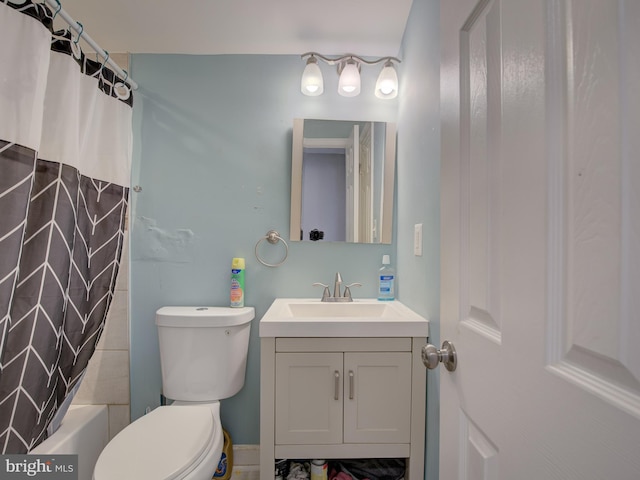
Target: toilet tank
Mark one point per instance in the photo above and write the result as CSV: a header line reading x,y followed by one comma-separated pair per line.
x,y
203,351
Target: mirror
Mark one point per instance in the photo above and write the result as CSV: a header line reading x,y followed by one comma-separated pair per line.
x,y
342,180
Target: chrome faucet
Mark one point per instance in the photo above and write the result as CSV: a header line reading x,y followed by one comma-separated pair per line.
x,y
337,295
336,285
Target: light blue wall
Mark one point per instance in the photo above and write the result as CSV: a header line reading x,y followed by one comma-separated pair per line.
x,y
419,188
212,153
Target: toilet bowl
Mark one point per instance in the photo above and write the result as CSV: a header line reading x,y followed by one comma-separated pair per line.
x,y
177,442
203,353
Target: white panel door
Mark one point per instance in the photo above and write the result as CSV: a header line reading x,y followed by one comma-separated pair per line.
x,y
352,181
365,201
541,239
377,397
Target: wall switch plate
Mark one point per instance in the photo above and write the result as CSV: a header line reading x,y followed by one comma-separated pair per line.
x,y
417,239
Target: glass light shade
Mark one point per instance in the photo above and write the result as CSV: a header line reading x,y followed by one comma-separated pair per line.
x,y
312,83
349,83
387,83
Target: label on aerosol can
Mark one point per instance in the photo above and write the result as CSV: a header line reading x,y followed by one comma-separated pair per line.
x,y
319,469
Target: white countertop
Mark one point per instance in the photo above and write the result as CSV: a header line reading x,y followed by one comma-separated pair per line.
x,y
306,317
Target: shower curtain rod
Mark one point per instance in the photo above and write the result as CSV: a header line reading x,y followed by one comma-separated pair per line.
x,y
57,7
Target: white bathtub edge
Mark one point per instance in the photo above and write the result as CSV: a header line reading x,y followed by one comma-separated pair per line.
x,y
85,432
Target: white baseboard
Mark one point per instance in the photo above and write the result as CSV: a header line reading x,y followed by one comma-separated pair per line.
x,y
246,455
245,472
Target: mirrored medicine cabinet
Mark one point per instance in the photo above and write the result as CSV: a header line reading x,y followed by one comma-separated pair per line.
x,y
342,180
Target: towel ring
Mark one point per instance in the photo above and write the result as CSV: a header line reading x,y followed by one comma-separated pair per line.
x,y
272,237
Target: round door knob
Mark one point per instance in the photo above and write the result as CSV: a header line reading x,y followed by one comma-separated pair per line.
x,y
431,356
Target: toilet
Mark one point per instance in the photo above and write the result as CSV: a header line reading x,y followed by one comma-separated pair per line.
x,y
203,357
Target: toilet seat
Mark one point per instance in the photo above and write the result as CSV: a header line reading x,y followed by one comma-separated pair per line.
x,y
165,444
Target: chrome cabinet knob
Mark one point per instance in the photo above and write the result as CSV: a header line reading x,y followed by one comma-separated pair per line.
x,y
431,356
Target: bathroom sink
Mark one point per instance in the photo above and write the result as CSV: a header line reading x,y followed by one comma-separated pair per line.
x,y
351,309
302,317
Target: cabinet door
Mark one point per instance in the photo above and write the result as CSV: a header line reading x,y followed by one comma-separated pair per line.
x,y
377,397
308,398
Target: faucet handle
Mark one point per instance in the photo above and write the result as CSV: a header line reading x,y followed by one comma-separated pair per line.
x,y
347,290
325,294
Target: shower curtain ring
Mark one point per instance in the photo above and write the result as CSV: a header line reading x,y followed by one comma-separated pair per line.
x,y
57,11
79,33
121,89
106,59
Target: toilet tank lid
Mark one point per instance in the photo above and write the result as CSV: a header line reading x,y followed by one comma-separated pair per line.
x,y
203,316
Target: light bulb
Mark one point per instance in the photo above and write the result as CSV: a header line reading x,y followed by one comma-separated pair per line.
x,y
386,88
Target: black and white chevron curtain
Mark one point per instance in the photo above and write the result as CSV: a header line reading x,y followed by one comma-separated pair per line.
x,y
65,156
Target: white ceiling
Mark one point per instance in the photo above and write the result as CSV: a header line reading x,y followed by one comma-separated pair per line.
x,y
330,27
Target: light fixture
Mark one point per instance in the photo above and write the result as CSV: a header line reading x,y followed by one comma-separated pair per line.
x,y
312,83
387,83
349,82
349,72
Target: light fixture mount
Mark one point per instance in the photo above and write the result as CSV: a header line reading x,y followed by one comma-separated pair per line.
x,y
343,63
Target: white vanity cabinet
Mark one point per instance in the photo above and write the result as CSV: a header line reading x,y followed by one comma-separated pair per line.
x,y
343,397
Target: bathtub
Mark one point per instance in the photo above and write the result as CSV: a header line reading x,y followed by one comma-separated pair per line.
x,y
85,432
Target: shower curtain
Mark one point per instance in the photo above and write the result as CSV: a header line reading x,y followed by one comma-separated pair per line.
x,y
65,154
